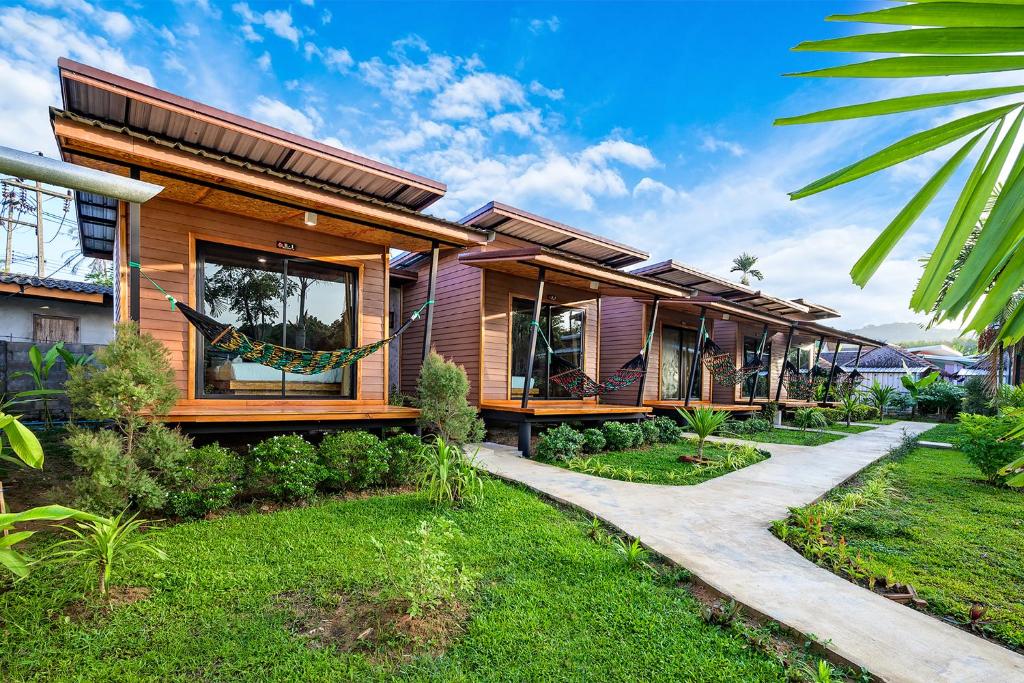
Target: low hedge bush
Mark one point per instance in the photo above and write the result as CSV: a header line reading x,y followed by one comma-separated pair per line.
x,y
978,437
669,430
285,467
651,432
206,479
593,441
403,458
560,443
353,460
617,436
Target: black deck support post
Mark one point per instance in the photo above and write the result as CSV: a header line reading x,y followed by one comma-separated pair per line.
x,y
648,342
134,254
697,352
832,372
525,427
428,322
785,358
760,353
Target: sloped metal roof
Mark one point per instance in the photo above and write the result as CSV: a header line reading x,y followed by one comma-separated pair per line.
x,y
97,224
113,99
512,222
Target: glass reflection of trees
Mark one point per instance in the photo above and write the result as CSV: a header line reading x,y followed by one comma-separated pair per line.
x,y
563,326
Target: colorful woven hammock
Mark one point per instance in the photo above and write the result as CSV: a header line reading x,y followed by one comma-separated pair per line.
x,y
801,386
300,361
723,368
580,385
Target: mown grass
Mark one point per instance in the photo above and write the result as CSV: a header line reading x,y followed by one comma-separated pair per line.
x,y
660,464
940,432
957,539
842,427
789,436
550,604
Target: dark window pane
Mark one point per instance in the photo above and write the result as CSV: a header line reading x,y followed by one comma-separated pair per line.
x,y
750,345
563,327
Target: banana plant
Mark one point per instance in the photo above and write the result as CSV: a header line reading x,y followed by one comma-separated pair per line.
x,y
948,38
40,366
915,387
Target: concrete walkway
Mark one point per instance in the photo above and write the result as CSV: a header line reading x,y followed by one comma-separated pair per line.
x,y
719,530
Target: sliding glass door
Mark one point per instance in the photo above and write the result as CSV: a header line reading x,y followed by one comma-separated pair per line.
x,y
758,383
678,350
292,302
563,327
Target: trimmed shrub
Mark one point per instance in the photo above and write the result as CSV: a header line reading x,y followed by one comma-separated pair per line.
x,y
865,412
768,411
285,467
204,481
942,398
560,443
651,432
976,397
978,436
617,436
403,458
831,415
443,388
353,460
669,430
593,441
752,425
636,434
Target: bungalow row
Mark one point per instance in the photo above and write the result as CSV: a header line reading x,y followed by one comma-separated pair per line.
x,y
289,242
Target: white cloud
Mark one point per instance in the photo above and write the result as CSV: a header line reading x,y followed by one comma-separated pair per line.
x,y
203,6
168,35
326,17
404,79
263,62
650,187
308,3
522,123
540,25
710,143
338,59
621,151
188,30
538,89
310,49
278,22
277,113
476,95
116,25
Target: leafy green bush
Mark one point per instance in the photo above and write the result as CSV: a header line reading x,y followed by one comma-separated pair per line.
x,y
669,430
900,402
206,479
403,458
809,418
979,437
449,477
976,397
443,388
285,467
769,410
831,415
651,432
352,460
617,436
752,425
942,398
636,434
865,412
593,441
560,443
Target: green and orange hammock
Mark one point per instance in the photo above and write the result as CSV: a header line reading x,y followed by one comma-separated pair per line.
x,y
802,386
722,366
226,338
580,385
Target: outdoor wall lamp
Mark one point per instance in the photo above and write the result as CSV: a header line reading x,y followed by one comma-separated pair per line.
x,y
309,218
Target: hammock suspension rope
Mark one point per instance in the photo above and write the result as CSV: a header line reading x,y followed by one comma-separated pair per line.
x,y
722,366
580,385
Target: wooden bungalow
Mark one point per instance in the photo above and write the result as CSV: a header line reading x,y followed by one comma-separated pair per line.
x,y
284,238
538,285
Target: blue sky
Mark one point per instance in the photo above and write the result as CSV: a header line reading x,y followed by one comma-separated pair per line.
x,y
649,123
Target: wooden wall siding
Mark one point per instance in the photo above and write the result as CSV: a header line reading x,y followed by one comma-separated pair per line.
x,y
499,288
624,324
456,329
166,251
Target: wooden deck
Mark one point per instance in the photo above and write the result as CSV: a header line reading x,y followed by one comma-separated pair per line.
x,y
230,411
730,407
540,408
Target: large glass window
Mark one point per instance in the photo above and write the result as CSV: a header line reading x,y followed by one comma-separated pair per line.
x,y
293,302
563,326
678,347
801,357
750,345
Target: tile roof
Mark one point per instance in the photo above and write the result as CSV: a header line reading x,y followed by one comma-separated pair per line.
x,y
884,357
54,283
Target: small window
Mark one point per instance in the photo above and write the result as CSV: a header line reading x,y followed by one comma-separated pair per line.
x,y
55,328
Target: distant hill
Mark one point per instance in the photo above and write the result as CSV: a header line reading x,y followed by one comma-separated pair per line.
x,y
896,333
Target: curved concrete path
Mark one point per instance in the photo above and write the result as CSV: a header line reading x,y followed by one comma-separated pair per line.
x,y
719,531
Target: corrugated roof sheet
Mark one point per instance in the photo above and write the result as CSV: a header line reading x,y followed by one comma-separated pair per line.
x,y
54,283
512,222
104,96
97,224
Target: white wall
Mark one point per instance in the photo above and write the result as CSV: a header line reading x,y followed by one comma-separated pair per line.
x,y
96,322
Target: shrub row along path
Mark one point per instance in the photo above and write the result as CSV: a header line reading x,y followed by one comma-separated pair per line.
x,y
719,530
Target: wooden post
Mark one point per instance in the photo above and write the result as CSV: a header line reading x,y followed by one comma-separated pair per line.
x,y
698,351
785,359
648,342
760,353
832,372
531,356
134,254
428,323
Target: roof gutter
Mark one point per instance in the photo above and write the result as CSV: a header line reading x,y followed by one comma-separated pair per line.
x,y
63,174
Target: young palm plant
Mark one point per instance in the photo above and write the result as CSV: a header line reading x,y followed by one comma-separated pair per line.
x,y
809,418
880,395
703,422
103,543
849,401
744,265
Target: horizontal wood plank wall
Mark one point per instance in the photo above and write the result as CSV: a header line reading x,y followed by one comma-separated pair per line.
x,y
165,233
456,330
725,335
498,288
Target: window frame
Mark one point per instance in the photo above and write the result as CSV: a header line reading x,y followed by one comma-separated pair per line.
x,y
199,369
545,308
766,355
684,376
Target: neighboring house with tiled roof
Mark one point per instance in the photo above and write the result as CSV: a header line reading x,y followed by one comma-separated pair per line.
x,y
886,364
34,309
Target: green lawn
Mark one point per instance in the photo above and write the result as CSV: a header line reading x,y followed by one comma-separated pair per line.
x,y
660,464
789,436
955,538
842,427
549,604
881,421
940,432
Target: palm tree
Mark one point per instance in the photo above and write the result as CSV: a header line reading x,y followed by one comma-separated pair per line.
x,y
957,37
744,263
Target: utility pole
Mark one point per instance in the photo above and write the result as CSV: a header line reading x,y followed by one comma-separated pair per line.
x,y
10,236
40,242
